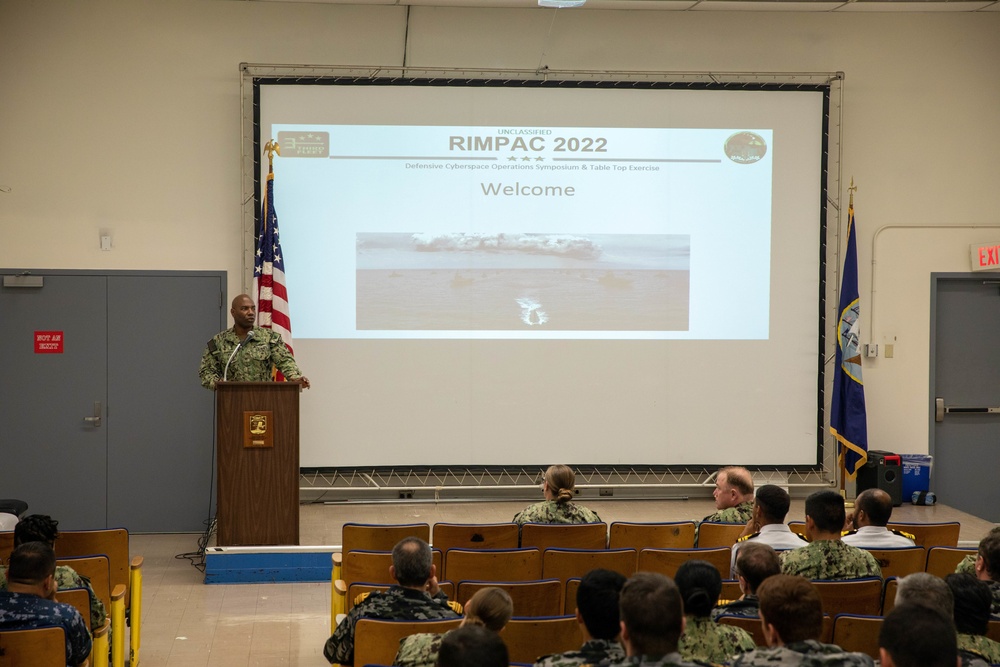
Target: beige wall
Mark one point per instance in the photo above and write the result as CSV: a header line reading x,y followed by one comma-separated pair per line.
x,y
123,117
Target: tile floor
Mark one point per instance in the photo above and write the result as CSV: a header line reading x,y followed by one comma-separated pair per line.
x,y
189,624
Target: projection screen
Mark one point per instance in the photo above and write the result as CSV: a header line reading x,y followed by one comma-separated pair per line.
x,y
489,274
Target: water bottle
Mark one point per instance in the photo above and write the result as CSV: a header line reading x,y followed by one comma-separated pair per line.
x,y
924,498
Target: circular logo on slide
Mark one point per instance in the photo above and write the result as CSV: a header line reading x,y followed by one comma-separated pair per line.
x,y
745,147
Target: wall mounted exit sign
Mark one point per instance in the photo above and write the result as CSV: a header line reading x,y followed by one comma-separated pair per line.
x,y
985,257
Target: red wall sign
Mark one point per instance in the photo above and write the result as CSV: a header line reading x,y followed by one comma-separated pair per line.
x,y
48,342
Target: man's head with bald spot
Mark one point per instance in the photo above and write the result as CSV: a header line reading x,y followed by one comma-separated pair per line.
x,y
733,486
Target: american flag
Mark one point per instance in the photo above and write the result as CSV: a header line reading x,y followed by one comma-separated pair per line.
x,y
269,273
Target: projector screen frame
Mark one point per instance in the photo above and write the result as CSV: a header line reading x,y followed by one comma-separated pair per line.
x,y
829,83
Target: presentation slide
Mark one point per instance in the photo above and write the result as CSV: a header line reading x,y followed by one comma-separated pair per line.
x,y
472,283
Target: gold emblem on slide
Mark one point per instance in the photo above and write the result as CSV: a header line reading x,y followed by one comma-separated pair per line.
x,y
745,147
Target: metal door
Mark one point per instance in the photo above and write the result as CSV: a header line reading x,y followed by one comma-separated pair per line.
x,y
965,387
53,435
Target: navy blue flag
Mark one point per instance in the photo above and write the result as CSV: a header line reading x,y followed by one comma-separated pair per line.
x,y
848,419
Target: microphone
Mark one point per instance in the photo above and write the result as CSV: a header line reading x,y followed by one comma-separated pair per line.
x,y
225,372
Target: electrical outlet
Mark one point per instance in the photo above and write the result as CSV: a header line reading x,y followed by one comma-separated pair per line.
x,y
871,350
607,492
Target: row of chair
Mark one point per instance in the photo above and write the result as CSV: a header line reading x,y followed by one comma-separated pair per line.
x,y
103,557
619,535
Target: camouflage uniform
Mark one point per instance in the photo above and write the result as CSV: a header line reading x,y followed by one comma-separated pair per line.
x,y
808,653
967,565
419,650
829,560
982,646
591,653
995,607
550,511
669,660
742,513
397,603
23,611
67,577
704,639
748,607
252,363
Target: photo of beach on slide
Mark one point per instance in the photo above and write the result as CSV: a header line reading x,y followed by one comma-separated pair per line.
x,y
523,281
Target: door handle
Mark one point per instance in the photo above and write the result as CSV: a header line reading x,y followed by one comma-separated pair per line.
x,y
96,419
940,410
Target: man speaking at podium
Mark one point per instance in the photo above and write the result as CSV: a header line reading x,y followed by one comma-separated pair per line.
x,y
247,353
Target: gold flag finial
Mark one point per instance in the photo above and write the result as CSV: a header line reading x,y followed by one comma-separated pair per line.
x,y
271,148
851,189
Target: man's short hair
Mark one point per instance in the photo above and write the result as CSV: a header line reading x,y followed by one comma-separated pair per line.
x,y
827,510
472,646
652,612
927,590
877,504
739,478
755,562
773,502
973,600
36,528
412,558
792,605
700,585
597,601
989,549
31,563
918,636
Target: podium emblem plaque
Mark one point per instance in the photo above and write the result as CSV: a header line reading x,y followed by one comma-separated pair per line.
x,y
258,429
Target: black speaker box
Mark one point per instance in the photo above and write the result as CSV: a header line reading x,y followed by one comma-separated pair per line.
x,y
883,470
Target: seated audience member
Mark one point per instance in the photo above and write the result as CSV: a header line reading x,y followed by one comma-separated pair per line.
x,y
988,569
704,639
754,563
472,646
7,521
913,635
767,526
968,564
652,620
972,616
29,601
872,511
791,614
42,528
600,623
826,556
490,607
558,506
417,597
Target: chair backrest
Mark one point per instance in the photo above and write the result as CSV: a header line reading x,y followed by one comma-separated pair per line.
x,y
851,596
372,567
474,536
942,561
377,641
357,589
6,545
39,647
730,590
565,535
797,527
566,564
80,599
900,562
531,598
944,534
528,639
569,600
712,534
639,536
857,633
98,570
666,561
380,537
889,596
112,542
993,631
749,623
494,564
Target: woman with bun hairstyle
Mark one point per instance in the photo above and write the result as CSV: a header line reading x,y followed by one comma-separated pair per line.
x,y
700,585
558,506
489,607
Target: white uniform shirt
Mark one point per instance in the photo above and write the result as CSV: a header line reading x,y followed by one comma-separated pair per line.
x,y
777,535
876,537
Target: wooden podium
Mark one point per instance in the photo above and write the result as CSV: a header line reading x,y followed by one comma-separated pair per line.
x,y
257,429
